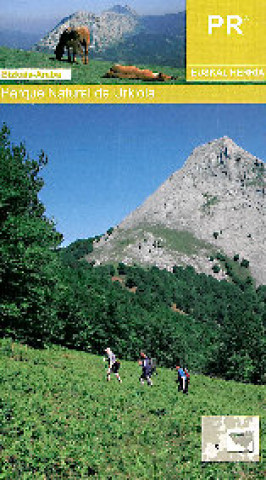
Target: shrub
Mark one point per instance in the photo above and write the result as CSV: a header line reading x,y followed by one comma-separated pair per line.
x,y
216,268
244,263
130,283
121,269
220,256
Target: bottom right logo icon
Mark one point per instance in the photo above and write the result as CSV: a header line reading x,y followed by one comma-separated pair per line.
x,y
230,439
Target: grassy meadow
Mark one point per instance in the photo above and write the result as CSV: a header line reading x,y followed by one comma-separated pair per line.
x,y
81,74
60,419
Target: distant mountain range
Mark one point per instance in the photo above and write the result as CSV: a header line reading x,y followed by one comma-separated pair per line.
x,y
215,203
121,35
18,39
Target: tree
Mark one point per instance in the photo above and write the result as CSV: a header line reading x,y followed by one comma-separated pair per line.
x,y
216,268
28,240
76,251
110,231
121,269
244,263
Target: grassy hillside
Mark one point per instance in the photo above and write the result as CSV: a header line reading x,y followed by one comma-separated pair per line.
x,y
81,74
61,419
180,241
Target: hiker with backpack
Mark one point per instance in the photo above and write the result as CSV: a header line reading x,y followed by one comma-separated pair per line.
x,y
182,379
113,365
146,364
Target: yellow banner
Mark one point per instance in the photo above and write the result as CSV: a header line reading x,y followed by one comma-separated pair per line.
x,y
28,94
226,40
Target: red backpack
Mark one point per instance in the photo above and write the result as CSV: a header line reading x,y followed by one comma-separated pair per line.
x,y
187,375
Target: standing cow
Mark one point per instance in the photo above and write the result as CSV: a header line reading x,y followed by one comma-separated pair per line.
x,y
76,40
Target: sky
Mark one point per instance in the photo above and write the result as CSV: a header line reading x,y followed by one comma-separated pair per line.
x,y
32,15
104,160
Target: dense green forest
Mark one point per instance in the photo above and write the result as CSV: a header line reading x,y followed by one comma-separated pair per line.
x,y
51,295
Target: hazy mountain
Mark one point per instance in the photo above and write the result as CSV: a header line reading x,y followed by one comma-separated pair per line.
x,y
214,203
17,39
171,24
122,10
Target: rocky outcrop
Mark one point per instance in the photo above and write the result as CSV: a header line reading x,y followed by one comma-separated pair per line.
x,y
215,202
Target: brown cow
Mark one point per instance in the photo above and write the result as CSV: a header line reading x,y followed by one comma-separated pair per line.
x,y
135,73
75,40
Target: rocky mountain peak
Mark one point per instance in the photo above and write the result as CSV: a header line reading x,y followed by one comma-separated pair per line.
x,y
121,35
106,29
224,144
217,198
224,158
74,19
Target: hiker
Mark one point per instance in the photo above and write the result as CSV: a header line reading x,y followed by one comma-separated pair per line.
x,y
182,380
113,365
188,376
145,363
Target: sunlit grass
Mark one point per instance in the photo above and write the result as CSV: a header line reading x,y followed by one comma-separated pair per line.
x,y
61,419
81,74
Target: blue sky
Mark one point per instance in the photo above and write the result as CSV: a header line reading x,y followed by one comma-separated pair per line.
x,y
33,15
104,160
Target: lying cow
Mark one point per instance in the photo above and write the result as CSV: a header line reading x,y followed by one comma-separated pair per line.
x,y
135,73
76,40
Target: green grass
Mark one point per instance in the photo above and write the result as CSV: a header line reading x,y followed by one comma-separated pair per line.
x,y
81,74
242,273
181,241
62,420
210,201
